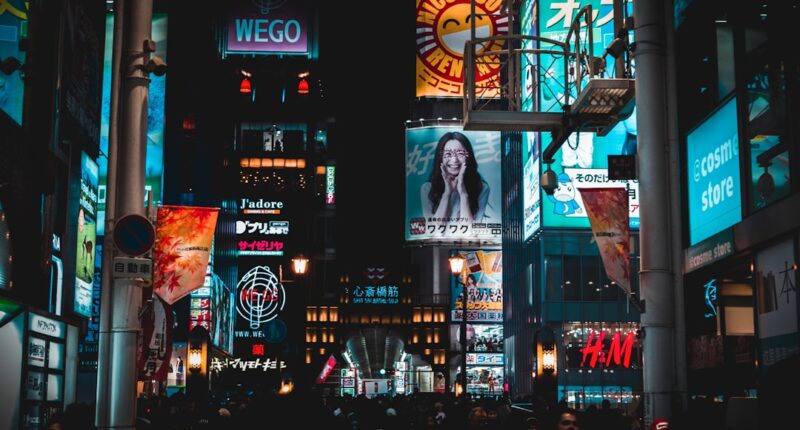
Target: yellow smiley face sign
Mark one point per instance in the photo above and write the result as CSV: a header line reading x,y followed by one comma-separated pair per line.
x,y
443,26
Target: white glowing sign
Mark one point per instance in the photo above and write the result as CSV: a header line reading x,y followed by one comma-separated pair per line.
x,y
260,296
264,365
259,227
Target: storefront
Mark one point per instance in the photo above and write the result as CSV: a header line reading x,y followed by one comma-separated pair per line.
x,y
39,366
599,361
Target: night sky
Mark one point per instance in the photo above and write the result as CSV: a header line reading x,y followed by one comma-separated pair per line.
x,y
369,54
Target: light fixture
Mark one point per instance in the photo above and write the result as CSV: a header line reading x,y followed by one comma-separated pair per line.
x,y
548,359
300,264
195,358
245,87
302,86
456,264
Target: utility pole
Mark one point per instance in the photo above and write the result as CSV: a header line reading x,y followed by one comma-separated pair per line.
x,y
658,268
119,323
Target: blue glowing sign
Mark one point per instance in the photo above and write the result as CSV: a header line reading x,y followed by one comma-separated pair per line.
x,y
712,154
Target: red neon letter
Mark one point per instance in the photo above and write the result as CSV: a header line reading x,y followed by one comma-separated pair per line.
x,y
616,350
593,349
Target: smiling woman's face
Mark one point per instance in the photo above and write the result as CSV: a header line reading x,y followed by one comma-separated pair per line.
x,y
454,155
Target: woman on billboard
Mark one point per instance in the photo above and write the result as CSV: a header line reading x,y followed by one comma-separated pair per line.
x,y
455,191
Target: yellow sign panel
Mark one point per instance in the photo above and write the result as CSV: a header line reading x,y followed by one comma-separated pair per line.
x,y
443,26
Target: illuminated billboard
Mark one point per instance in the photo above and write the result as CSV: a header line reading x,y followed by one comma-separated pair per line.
x,y
278,27
452,185
87,237
484,284
13,27
155,118
442,29
714,183
531,151
582,161
376,288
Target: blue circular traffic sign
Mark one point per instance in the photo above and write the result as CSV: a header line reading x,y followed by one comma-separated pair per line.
x,y
134,235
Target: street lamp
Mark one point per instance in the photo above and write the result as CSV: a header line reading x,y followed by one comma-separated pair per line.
x,y
299,267
457,268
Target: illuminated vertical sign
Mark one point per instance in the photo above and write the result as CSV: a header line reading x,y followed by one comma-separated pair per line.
x,y
714,183
155,118
87,236
330,185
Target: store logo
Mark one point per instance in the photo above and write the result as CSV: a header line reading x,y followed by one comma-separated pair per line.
x,y
618,353
442,29
261,297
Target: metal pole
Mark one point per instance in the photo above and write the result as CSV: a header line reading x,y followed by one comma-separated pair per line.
x,y
656,272
126,300
463,331
681,382
104,342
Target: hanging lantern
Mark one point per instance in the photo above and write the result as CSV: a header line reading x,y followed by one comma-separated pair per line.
x,y
302,86
245,87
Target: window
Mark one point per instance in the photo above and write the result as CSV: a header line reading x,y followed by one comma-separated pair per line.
x,y
311,313
323,313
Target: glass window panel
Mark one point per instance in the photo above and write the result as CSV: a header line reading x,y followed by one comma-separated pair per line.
x,y
55,356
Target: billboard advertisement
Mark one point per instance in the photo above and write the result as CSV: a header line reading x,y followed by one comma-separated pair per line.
x,y
531,193
480,337
714,183
13,27
582,161
452,185
484,287
279,27
87,237
442,29
155,118
776,285
485,380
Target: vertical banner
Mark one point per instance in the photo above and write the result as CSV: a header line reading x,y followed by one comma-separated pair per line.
x,y
183,244
156,347
442,29
608,214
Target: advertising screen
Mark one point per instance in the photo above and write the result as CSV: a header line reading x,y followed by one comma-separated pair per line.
x,y
442,29
484,285
452,185
155,118
480,337
714,183
13,27
582,161
87,237
278,27
485,379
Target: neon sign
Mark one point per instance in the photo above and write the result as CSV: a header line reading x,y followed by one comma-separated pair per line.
x,y
265,365
618,353
261,247
330,185
376,295
260,296
265,227
710,294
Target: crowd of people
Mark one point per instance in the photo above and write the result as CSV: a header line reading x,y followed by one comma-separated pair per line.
x,y
418,411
